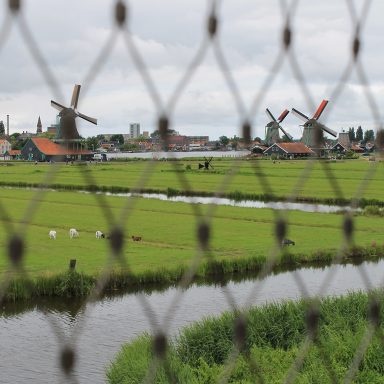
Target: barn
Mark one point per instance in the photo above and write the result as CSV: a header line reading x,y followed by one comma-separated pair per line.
x,y
289,150
43,149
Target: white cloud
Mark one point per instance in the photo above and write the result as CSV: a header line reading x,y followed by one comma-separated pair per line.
x,y
168,33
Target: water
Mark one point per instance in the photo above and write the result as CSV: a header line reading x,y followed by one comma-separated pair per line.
x,y
30,346
304,207
176,155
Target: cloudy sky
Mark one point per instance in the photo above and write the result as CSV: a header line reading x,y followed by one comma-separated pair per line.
x,y
71,34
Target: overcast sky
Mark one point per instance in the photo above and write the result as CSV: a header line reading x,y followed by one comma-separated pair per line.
x,y
168,33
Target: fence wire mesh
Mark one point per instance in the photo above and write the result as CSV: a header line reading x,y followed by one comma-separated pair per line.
x,y
15,19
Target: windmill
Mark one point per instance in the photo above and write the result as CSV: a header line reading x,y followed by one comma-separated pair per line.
x,y
272,128
311,124
67,129
207,164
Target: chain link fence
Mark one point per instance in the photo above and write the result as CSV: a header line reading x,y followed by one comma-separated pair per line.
x,y
164,109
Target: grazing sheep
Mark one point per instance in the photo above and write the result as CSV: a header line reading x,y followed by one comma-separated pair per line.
x,y
52,235
287,242
100,235
136,238
73,233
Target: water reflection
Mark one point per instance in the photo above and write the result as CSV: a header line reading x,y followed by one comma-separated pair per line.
x,y
304,207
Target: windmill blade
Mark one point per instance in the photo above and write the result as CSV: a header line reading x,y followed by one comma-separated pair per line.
x,y
283,116
75,96
269,114
320,109
328,130
58,106
300,115
85,117
290,137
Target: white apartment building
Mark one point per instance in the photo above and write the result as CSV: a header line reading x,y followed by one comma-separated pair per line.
x,y
134,130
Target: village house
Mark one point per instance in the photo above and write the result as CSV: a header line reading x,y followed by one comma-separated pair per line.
x,y
289,150
5,146
43,149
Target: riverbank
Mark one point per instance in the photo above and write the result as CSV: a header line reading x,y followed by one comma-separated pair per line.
x,y
72,284
275,334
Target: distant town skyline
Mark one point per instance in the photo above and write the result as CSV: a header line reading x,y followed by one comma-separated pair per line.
x,y
168,34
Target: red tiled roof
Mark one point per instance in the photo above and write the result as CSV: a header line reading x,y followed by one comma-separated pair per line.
x,y
357,148
48,147
14,152
294,147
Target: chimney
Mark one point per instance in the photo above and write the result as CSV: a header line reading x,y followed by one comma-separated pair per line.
x,y
7,125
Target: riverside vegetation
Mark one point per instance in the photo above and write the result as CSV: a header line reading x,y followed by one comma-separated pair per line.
x,y
274,336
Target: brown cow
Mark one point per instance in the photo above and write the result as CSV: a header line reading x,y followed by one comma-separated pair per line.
x,y
136,238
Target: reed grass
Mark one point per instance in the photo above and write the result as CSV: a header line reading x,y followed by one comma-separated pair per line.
x,y
275,333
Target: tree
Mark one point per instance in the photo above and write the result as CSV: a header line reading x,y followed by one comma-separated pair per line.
x,y
224,140
2,128
359,133
156,134
351,133
92,142
285,139
19,144
369,135
118,138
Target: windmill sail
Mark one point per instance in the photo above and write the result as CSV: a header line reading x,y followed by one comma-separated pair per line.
x,y
300,115
269,114
320,109
75,96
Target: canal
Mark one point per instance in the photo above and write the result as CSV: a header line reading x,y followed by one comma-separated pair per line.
x,y
32,333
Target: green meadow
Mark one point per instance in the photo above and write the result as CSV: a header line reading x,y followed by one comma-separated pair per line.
x,y
282,177
241,238
168,232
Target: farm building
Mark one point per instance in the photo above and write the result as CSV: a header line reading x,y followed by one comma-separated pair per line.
x,y
258,148
43,149
289,150
340,148
14,154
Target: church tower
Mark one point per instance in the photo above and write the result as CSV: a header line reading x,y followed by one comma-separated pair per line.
x,y
39,126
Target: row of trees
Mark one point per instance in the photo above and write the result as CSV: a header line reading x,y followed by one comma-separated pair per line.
x,y
360,135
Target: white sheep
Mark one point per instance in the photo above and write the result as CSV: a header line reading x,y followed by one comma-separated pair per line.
x,y
52,235
100,235
73,233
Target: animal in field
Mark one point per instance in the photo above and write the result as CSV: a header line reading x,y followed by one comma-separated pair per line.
x,y
73,233
287,242
100,235
52,235
136,238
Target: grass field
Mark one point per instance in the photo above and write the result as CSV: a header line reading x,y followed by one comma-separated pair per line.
x,y
281,176
167,229
273,339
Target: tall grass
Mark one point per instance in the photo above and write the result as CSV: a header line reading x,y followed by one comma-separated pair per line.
x,y
274,336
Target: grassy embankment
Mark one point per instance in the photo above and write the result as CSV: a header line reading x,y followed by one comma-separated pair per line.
x,y
274,335
241,240
282,176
